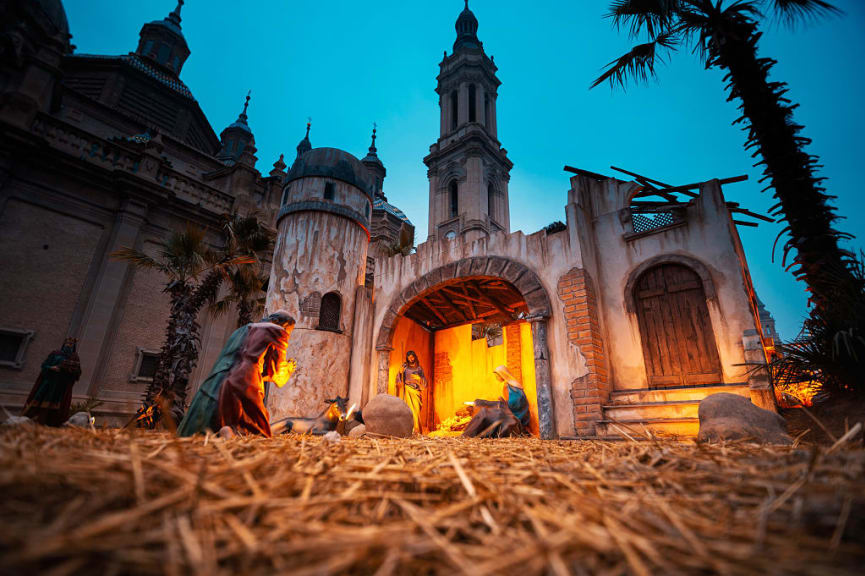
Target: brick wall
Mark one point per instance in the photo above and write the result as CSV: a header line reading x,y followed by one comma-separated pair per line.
x,y
514,350
591,391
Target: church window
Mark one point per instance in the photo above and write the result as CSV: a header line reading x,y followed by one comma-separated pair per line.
x,y
13,344
455,110
148,48
285,196
164,53
491,201
453,198
473,97
146,364
331,307
487,110
329,189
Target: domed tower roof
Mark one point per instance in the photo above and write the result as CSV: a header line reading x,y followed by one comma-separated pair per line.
x,y
332,163
467,30
304,145
375,166
55,13
163,41
237,137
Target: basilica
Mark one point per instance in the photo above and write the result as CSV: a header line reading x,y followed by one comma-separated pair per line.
x,y
621,317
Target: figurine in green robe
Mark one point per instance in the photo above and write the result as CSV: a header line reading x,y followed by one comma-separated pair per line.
x,y
201,414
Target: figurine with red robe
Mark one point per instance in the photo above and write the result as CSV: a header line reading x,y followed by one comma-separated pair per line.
x,y
260,359
51,396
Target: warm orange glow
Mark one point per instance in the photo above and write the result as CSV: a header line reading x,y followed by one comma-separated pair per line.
x,y
465,371
798,394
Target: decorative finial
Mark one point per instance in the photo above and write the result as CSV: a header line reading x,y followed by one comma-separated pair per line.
x,y
308,124
246,104
467,4
175,14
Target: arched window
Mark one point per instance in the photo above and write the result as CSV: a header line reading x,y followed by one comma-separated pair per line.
x,y
285,195
329,190
455,110
473,100
491,201
453,199
329,313
487,109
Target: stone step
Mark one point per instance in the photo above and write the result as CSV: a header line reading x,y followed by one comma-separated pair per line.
x,y
680,394
636,428
652,410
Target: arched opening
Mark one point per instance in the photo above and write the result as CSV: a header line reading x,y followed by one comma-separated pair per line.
x,y
460,333
453,199
491,201
473,113
466,318
675,328
329,312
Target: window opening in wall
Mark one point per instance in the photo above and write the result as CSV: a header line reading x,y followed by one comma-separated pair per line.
x,y
146,365
487,110
285,196
328,318
453,199
473,114
455,109
329,189
491,201
13,344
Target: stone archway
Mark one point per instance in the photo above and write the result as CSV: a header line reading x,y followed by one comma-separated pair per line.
x,y
523,279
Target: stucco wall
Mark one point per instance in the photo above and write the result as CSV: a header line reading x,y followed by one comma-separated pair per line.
x,y
316,253
548,256
707,237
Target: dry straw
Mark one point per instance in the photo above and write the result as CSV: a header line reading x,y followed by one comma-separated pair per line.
x,y
114,502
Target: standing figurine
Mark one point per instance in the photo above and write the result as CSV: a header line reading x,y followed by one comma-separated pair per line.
x,y
413,383
51,397
261,357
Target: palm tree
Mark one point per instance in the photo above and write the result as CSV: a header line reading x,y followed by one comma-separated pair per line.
x,y
725,35
194,273
247,283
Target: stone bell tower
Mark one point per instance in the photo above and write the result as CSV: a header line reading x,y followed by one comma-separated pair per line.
x,y
468,169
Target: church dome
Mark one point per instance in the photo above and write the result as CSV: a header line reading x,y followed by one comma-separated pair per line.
x,y
56,14
332,163
467,29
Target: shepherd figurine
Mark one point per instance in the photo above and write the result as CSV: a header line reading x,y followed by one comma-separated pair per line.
x,y
260,358
51,397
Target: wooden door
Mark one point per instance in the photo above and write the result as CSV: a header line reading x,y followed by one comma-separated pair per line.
x,y
678,341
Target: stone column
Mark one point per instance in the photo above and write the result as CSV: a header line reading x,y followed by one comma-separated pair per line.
x,y
99,316
494,123
760,388
361,344
443,106
383,368
543,379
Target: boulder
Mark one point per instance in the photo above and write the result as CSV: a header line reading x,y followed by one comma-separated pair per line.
x,y
732,417
80,420
388,416
357,431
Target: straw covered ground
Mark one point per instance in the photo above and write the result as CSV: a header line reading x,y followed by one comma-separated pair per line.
x,y
112,502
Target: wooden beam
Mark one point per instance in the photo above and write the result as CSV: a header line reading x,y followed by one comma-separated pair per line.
x,y
594,175
741,223
452,306
492,300
433,310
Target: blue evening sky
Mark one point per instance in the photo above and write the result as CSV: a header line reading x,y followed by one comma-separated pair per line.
x,y
348,64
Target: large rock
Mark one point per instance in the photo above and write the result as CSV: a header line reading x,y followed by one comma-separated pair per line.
x,y
732,417
389,416
358,431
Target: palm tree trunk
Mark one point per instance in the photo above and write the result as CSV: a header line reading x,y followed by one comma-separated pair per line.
x,y
802,203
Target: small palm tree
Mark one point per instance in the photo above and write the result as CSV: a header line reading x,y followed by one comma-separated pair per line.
x,y
194,272
725,35
247,283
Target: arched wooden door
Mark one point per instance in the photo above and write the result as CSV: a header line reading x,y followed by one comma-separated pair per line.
x,y
678,341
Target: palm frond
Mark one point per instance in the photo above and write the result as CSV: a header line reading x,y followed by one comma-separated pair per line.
x,y
656,17
638,64
793,11
138,259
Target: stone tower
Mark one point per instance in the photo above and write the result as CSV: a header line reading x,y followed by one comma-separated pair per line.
x,y
468,168
319,262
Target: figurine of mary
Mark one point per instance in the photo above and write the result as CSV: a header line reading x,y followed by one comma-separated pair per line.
x,y
412,381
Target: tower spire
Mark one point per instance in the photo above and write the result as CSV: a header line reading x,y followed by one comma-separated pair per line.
x,y
372,149
305,145
243,117
175,14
